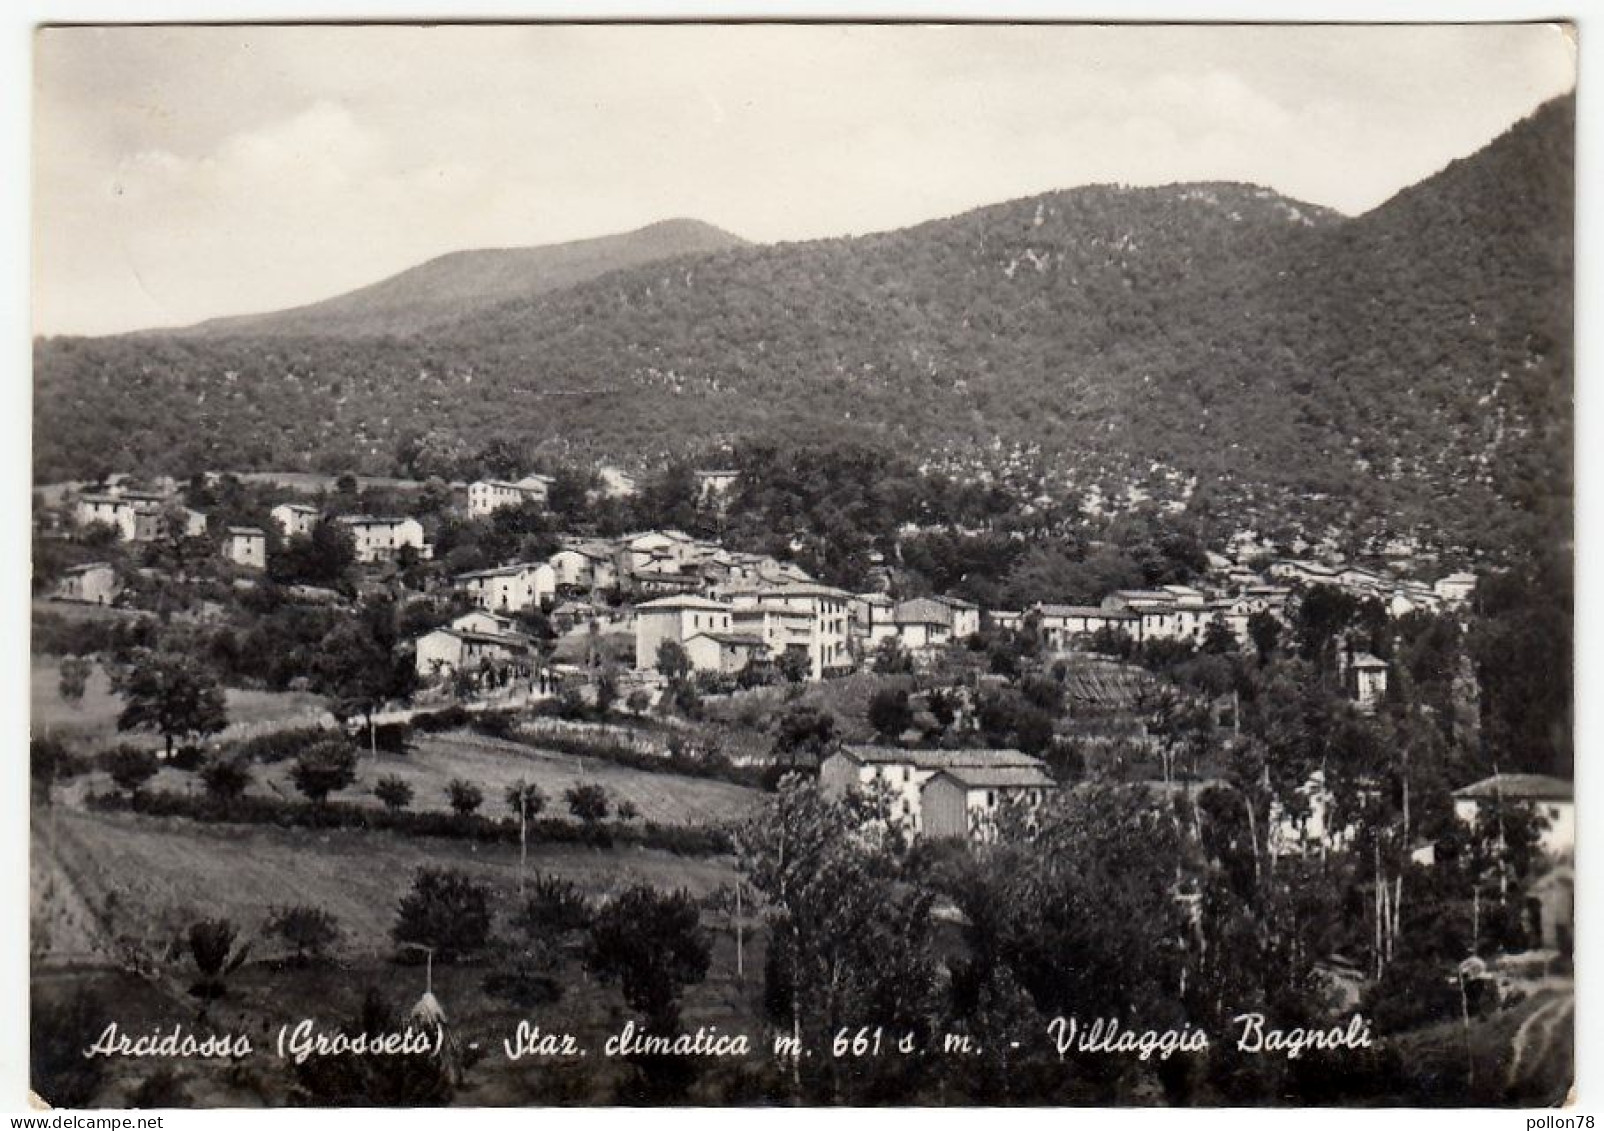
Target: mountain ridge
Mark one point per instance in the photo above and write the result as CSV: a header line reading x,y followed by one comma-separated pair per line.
x,y
1256,346
412,300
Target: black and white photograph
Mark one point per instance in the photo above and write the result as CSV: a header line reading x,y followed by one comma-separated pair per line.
x,y
759,564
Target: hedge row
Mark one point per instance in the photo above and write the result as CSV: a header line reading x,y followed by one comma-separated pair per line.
x,y
675,760
290,814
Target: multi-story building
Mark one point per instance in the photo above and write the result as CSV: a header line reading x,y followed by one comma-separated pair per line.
x,y
903,774
1456,588
296,520
676,619
585,565
380,539
825,637
94,583
511,588
1065,626
447,650
923,622
245,546
965,616
136,516
874,618
967,801
486,496
726,652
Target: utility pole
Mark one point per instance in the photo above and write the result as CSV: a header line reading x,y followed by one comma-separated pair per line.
x,y
740,955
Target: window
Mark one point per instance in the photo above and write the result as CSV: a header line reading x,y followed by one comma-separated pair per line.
x,y
991,798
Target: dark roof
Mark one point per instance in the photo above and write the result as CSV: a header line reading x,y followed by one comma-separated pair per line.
x,y
736,639
938,759
750,612
684,601
923,610
504,641
1083,611
1520,787
370,520
805,589
997,777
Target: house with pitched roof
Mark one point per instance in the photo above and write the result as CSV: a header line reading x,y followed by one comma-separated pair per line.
x,y
1552,799
245,546
486,496
295,519
903,773
677,619
380,538
725,652
94,583
966,801
511,588
824,633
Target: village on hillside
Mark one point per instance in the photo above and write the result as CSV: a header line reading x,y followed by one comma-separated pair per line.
x,y
573,566
258,635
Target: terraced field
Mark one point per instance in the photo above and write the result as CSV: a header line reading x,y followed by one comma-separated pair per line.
x,y
127,877
493,765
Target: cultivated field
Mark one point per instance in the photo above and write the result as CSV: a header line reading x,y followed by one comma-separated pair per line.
x,y
493,765
148,878
92,722
111,886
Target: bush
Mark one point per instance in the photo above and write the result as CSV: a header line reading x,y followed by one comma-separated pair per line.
x,y
453,717
226,777
683,840
49,761
493,724
588,802
553,907
890,713
130,767
211,944
680,759
447,911
396,793
392,738
323,769
187,758
652,944
280,746
464,797
524,984
525,799
309,931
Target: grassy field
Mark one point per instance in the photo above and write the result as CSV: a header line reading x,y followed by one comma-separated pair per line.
x,y
107,885
493,765
92,722
145,876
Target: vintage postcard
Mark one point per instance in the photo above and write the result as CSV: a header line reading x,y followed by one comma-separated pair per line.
x,y
761,564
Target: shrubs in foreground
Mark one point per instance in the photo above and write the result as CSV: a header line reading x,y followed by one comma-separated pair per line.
x,y
285,813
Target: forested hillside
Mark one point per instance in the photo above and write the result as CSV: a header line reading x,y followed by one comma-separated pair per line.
x,y
1409,367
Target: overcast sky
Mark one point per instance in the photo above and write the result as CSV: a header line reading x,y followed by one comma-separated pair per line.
x,y
186,173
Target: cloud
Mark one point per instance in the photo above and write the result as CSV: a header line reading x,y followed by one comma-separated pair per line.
x,y
183,173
